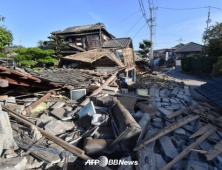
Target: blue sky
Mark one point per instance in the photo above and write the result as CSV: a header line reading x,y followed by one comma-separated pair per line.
x,y
33,20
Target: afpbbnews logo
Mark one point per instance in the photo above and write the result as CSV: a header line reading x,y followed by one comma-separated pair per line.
x,y
104,161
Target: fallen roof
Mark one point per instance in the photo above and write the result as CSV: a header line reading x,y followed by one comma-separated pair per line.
x,y
213,91
190,47
16,77
93,55
73,77
117,43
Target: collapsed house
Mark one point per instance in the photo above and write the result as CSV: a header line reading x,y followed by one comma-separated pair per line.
x,y
93,44
85,115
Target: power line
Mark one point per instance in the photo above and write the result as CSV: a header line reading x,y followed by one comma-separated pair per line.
x,y
182,8
168,31
216,7
190,8
139,30
124,19
134,25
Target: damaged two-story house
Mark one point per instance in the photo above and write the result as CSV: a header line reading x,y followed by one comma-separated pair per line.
x,y
92,45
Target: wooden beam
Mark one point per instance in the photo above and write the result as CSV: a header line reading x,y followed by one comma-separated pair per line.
x,y
178,112
166,130
73,149
188,149
214,151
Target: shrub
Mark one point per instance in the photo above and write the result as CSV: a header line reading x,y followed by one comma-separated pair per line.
x,y
186,64
27,63
219,65
198,64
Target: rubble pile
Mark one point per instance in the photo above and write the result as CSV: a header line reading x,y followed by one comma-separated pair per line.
x,y
155,121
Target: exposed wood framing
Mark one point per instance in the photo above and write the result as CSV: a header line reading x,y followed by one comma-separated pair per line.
x,y
166,130
193,145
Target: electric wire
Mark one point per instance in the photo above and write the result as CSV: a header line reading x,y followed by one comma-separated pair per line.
x,y
124,19
139,30
134,25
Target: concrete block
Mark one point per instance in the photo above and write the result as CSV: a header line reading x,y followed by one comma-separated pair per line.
x,y
196,165
179,165
178,142
17,163
167,148
180,133
5,129
160,163
58,105
218,161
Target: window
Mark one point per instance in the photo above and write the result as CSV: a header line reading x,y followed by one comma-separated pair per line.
x,y
92,37
70,40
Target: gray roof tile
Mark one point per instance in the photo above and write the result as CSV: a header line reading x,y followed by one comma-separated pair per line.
x,y
212,91
117,43
190,47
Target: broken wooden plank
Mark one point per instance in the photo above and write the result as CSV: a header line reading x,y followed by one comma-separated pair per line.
x,y
188,149
214,151
201,131
178,112
166,130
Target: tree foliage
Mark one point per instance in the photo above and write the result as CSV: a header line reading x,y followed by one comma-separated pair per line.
x,y
57,43
213,39
6,37
32,56
145,47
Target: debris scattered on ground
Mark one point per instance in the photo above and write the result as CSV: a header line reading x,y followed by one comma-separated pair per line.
x,y
154,121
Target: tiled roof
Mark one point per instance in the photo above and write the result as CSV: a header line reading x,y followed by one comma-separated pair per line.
x,y
117,43
190,47
74,77
93,55
213,91
82,28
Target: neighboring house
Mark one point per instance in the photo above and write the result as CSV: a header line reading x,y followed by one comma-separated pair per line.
x,y
162,52
85,37
188,49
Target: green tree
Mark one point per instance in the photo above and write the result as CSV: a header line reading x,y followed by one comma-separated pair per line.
x,y
6,37
57,43
32,56
213,40
40,44
145,47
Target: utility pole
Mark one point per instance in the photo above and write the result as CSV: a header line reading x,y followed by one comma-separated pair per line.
x,y
180,40
151,34
208,21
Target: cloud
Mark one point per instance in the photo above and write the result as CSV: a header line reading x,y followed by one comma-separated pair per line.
x,y
95,17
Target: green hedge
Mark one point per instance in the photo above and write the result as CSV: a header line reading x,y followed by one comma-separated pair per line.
x,y
198,64
219,65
